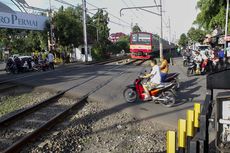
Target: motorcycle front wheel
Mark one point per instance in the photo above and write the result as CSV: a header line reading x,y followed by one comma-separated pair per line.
x,y
130,95
169,97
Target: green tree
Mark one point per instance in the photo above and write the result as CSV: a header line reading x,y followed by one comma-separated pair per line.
x,y
67,27
101,20
196,35
212,14
183,41
136,28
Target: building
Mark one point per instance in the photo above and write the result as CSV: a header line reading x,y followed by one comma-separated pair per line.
x,y
114,37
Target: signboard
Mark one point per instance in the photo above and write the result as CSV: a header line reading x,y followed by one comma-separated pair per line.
x,y
19,20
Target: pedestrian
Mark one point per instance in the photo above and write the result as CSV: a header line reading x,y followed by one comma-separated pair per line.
x,y
221,58
63,57
51,60
228,55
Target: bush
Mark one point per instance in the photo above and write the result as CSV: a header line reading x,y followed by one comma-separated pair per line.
x,y
97,52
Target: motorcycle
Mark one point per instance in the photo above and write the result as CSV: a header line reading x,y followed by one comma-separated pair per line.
x,y
192,68
163,93
11,66
173,78
186,60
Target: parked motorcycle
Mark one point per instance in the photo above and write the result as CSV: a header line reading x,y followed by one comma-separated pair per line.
x,y
163,93
11,66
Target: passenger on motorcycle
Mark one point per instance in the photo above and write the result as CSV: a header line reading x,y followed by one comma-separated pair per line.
x,y
164,69
155,78
204,56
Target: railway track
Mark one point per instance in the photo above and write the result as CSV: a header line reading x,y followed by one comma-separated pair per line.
x,y
20,128
33,74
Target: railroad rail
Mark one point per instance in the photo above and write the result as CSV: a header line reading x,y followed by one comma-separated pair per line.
x,y
18,129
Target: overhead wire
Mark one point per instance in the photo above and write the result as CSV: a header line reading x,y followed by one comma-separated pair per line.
x,y
109,13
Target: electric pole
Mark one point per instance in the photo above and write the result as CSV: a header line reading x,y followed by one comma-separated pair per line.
x,y
226,25
85,30
171,58
161,36
51,31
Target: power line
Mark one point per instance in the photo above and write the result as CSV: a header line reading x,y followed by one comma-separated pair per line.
x,y
119,24
66,3
109,13
131,10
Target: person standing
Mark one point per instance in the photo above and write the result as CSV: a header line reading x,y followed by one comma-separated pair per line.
x,y
51,60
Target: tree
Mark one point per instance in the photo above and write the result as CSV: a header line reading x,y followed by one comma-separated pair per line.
x,y
212,14
101,20
136,28
183,40
196,35
68,27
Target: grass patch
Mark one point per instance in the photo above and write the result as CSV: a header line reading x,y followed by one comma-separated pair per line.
x,y
10,104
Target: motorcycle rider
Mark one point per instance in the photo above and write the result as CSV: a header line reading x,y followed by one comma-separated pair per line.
x,y
204,57
198,60
155,78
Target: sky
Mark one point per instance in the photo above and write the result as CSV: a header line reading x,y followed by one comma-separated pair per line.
x,y
180,13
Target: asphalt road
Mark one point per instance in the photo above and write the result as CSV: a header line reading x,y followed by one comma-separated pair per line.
x,y
106,83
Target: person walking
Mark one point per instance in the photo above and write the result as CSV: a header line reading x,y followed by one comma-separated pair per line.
x,y
51,60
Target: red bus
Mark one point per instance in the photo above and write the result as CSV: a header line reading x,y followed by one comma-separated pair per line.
x,y
141,45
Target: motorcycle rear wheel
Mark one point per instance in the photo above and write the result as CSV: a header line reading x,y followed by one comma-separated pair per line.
x,y
130,95
170,99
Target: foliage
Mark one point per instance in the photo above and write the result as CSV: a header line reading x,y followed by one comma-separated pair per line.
x,y
23,41
136,28
68,27
212,14
97,52
183,40
196,35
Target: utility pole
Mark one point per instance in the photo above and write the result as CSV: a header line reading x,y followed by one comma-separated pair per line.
x,y
85,30
171,58
161,36
51,31
226,24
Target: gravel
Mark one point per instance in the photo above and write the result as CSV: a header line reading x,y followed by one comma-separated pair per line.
x,y
20,98
97,129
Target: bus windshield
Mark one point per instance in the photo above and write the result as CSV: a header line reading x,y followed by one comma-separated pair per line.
x,y
141,38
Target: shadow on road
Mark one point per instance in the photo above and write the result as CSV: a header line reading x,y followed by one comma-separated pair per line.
x,y
187,92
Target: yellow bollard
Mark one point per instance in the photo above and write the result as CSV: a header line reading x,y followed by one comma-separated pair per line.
x,y
171,142
196,116
181,135
190,127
